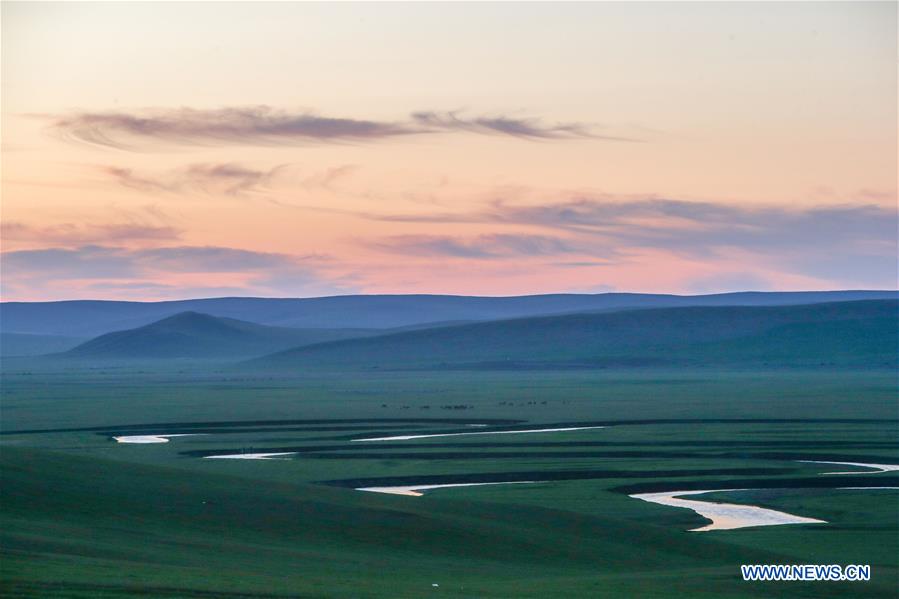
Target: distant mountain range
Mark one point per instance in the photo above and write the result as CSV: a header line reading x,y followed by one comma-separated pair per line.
x,y
839,334
27,344
88,318
843,334
195,335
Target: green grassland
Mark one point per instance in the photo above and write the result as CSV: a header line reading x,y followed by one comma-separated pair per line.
x,y
84,516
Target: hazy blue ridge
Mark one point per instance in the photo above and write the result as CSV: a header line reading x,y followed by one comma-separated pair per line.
x,y
89,318
840,334
27,344
196,335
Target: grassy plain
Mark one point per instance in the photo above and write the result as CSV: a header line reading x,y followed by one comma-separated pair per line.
x,y
83,516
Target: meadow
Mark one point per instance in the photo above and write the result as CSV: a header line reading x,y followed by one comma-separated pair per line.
x,y
85,516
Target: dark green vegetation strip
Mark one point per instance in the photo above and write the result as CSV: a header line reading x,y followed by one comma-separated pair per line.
x,y
425,452
820,482
561,455
177,426
544,475
285,429
646,422
165,427
20,588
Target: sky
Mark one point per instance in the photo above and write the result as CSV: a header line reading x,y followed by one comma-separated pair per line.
x,y
169,150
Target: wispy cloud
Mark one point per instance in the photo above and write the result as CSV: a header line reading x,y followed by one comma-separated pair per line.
x,y
584,264
702,228
328,178
861,240
74,234
692,227
85,262
265,125
215,259
504,125
252,125
49,272
103,261
480,247
227,178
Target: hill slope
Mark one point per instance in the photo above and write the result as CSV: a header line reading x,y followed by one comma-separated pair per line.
x,y
195,335
87,318
862,333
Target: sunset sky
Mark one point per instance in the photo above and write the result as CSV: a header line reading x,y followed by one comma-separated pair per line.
x,y
170,150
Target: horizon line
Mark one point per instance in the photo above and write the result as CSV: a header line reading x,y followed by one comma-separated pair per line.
x,y
448,295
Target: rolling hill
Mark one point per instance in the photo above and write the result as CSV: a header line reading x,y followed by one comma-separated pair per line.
x,y
196,335
88,318
861,333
